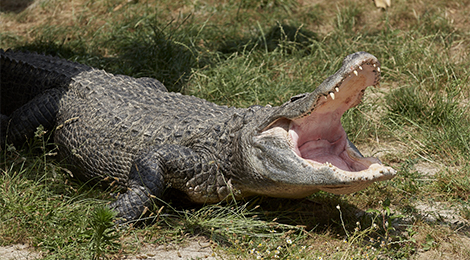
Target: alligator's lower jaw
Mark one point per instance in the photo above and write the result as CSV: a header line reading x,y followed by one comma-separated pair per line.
x,y
348,182
347,160
320,139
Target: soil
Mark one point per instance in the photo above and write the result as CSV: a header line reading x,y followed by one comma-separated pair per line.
x,y
195,248
18,252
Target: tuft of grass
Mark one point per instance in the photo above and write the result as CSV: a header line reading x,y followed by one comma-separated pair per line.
x,y
455,183
376,235
228,223
104,236
348,18
441,122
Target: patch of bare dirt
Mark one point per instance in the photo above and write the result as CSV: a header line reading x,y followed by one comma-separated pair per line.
x,y
440,211
455,247
191,249
428,168
18,252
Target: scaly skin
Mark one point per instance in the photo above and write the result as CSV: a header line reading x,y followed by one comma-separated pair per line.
x,y
133,134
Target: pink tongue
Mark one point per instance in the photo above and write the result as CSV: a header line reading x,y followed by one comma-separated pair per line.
x,y
322,151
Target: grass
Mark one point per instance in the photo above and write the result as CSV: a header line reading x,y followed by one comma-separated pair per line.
x,y
242,53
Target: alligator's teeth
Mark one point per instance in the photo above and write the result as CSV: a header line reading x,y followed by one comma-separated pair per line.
x,y
378,69
360,68
337,89
326,97
355,72
374,65
332,95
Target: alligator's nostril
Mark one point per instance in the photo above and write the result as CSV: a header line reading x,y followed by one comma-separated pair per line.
x,y
294,98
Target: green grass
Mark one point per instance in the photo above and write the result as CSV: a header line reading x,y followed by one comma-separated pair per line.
x,y
38,205
242,53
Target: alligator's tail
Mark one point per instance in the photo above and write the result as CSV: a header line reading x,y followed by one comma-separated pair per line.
x,y
25,75
30,89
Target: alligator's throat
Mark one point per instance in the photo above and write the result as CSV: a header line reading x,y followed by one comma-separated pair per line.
x,y
321,139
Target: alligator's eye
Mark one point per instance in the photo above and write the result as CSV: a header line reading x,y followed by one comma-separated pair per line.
x,y
255,107
294,98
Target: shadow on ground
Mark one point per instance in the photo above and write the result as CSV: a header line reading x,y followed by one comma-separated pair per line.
x,y
16,6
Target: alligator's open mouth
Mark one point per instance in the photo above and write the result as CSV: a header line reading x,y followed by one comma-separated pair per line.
x,y
318,136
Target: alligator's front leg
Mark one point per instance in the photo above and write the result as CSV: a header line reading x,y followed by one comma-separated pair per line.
x,y
145,181
170,166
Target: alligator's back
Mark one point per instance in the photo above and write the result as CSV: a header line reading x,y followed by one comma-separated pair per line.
x,y
109,120
35,88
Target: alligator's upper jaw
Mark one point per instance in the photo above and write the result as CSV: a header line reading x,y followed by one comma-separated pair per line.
x,y
318,138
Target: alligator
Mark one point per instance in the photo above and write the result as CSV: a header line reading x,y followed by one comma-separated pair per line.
x,y
131,133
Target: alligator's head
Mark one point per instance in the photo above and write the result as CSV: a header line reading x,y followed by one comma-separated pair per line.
x,y
301,147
